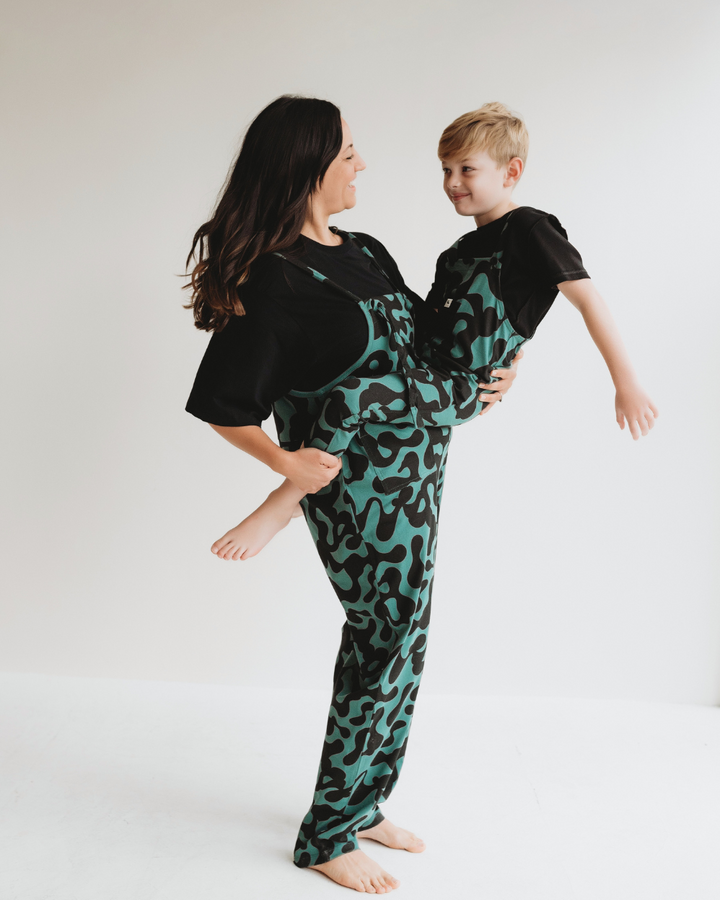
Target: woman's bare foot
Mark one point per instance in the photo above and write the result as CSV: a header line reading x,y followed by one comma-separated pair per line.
x,y
357,871
392,836
252,534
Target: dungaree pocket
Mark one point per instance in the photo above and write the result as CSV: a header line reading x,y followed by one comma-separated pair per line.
x,y
393,453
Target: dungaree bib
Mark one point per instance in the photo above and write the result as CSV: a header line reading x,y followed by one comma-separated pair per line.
x,y
474,331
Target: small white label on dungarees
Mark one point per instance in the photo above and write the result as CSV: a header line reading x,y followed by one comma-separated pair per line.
x,y
448,302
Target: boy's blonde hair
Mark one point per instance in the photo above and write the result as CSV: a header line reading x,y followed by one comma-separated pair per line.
x,y
493,128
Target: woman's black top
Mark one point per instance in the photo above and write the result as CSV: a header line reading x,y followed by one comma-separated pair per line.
x,y
536,256
297,334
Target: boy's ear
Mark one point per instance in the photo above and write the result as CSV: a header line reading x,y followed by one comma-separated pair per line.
x,y
514,171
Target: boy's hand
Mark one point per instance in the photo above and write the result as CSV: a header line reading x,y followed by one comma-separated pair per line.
x,y
502,385
632,405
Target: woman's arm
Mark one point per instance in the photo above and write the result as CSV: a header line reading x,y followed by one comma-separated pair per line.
x,y
505,378
308,469
632,404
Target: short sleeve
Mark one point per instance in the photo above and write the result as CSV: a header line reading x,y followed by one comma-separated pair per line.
x,y
247,367
548,256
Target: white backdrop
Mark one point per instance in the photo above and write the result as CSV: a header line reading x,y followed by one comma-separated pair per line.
x,y
571,561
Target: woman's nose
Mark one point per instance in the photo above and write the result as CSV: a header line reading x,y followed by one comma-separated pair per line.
x,y
359,163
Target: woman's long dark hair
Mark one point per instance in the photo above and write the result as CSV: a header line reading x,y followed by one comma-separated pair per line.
x,y
284,157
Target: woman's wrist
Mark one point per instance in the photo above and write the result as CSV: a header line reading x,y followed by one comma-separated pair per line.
x,y
280,461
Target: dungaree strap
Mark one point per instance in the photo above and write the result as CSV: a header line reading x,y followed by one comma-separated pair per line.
x,y
323,278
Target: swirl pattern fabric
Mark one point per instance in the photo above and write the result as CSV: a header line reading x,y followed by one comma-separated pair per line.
x,y
375,526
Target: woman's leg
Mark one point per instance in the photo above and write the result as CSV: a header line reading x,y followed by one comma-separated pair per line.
x,y
249,537
378,550
425,396
435,399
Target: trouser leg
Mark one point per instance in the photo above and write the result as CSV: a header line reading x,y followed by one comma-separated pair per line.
x,y
379,553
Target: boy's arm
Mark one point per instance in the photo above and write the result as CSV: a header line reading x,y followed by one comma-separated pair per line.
x,y
632,404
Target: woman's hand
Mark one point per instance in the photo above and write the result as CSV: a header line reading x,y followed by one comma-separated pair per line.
x,y
502,385
309,469
632,405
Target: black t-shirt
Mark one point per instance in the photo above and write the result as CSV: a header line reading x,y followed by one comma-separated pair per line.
x,y
536,257
297,334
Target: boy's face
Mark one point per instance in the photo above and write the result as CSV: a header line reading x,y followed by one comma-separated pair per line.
x,y
476,185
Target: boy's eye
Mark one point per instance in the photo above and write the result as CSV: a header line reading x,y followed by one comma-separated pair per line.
x,y
467,169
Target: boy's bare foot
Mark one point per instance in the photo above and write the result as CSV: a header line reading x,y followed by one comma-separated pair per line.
x,y
357,871
252,534
392,836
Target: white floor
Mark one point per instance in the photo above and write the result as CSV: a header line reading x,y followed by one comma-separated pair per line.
x,y
160,791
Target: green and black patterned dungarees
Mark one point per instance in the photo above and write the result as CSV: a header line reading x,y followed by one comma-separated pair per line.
x,y
375,527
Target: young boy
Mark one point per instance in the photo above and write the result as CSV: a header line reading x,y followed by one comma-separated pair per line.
x,y
491,290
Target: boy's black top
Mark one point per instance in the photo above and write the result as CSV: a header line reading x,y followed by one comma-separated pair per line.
x,y
536,256
297,334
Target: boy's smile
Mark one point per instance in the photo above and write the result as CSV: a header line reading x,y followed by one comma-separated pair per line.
x,y
477,186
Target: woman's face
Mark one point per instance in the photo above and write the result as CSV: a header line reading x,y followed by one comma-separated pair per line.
x,y
337,191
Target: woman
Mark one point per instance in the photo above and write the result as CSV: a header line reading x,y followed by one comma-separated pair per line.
x,y
296,307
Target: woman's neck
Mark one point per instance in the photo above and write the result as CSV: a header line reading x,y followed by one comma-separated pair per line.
x,y
317,229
